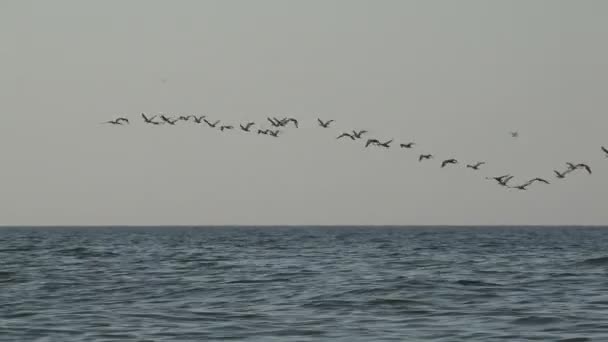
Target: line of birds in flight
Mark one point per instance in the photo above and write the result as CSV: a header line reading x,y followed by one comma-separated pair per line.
x,y
277,124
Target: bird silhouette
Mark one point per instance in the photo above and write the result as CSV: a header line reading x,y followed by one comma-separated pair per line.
x,y
212,125
274,122
408,145
223,127
561,175
199,119
352,137
265,131
515,134
247,126
114,122
449,161
324,124
425,156
605,151
502,180
584,166
274,133
372,141
475,166
359,134
293,120
386,144
149,120
170,121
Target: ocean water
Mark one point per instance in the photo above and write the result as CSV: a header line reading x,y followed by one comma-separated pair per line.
x,y
304,284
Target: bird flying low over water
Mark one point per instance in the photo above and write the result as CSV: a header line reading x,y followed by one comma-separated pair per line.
x,y
449,161
425,156
324,124
408,145
352,137
475,166
247,126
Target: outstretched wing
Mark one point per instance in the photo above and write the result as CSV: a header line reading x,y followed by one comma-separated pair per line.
x,y
604,149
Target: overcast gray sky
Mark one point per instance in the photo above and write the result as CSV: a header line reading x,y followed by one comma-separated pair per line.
x,y
454,76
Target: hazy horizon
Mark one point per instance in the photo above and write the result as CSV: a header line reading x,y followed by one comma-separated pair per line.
x,y
455,77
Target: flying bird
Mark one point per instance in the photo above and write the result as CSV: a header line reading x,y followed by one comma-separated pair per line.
x,y
114,122
475,166
514,134
502,180
408,145
605,151
295,122
265,132
274,122
247,126
561,175
199,119
425,156
386,144
584,166
149,120
274,133
324,124
372,141
212,125
537,179
346,135
168,120
222,128
359,134
449,161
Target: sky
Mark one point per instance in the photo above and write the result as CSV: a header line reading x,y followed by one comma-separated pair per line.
x,y
454,76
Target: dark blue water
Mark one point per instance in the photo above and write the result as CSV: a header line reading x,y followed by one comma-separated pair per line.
x,y
304,284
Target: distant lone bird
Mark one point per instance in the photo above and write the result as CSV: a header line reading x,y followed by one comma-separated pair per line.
x,y
212,125
359,134
324,124
425,156
149,120
605,151
475,166
168,120
449,161
352,137
515,134
247,126
222,128
408,145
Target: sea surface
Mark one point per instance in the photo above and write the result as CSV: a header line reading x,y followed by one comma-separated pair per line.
x,y
304,284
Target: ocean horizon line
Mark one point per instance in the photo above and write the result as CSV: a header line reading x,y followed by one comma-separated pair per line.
x,y
405,226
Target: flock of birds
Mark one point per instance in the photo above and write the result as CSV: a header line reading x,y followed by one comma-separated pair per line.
x,y
277,126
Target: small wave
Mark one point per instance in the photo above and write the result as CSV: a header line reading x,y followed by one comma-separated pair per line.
x,y
575,339
535,320
475,283
596,261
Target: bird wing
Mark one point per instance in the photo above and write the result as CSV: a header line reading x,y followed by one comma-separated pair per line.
x,y
604,149
343,135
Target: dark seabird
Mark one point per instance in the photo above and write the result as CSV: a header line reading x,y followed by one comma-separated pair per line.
x,y
168,120
324,124
247,126
212,125
425,156
222,128
408,145
359,134
475,166
449,161
346,135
